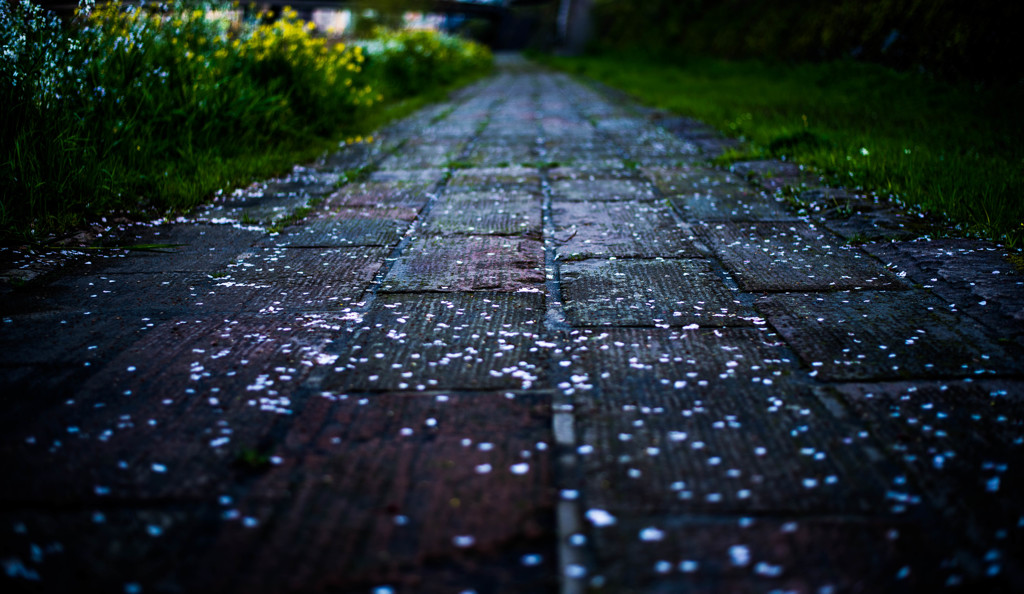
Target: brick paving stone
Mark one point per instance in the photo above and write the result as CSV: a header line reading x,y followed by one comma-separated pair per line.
x,y
792,256
592,171
411,197
472,263
601,190
775,175
662,151
565,128
658,293
109,294
495,212
446,342
423,155
686,179
621,229
106,549
420,175
714,422
975,276
485,178
176,248
501,154
570,149
798,554
345,227
708,195
884,335
83,337
859,218
960,443
608,122
450,130
53,370
219,388
265,203
294,279
303,181
355,156
409,490
623,364
731,205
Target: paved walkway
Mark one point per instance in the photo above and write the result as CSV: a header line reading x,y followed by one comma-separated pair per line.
x,y
528,340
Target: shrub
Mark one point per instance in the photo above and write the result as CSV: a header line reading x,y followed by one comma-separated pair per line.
x,y
154,108
409,62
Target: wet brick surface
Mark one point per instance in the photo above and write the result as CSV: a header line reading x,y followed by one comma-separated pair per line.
x,y
649,293
530,339
477,263
792,257
446,341
496,212
621,229
884,335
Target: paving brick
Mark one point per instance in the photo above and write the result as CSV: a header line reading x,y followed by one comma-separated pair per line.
x,y
713,422
486,178
501,154
884,335
410,196
409,490
792,256
495,212
973,275
621,229
295,279
468,263
658,293
752,554
601,190
446,342
218,389
959,442
345,227
425,155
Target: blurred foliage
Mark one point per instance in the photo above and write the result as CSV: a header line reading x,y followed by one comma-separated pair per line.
x,y
962,39
409,62
153,108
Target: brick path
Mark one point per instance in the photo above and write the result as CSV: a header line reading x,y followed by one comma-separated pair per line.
x,y
537,344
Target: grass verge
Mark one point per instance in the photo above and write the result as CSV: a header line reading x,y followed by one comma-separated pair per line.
x,y
949,150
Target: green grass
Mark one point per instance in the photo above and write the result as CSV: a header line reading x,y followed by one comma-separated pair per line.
x,y
955,151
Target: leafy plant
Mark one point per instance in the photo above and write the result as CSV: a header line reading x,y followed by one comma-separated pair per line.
x,y
151,109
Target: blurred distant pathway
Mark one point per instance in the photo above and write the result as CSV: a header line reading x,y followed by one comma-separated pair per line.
x,y
536,343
